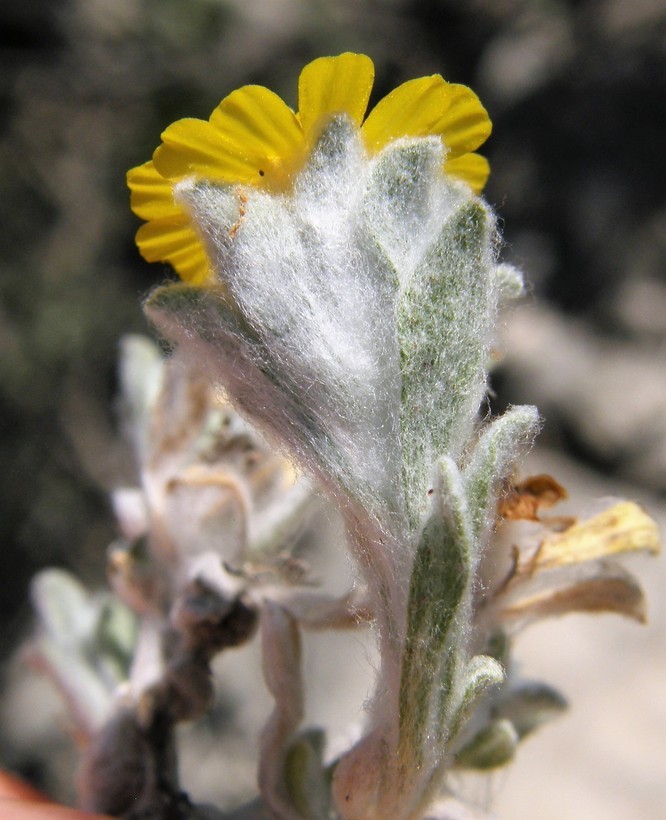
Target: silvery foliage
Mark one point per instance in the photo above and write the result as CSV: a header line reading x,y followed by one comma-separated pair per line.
x,y
352,321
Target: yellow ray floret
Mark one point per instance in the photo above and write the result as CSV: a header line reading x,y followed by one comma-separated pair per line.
x,y
254,138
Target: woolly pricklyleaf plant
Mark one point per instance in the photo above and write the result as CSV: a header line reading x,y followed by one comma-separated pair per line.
x,y
346,302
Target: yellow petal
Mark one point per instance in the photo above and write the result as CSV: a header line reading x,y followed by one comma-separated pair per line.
x,y
620,529
194,147
152,195
158,239
192,264
251,137
334,85
175,242
411,110
471,168
464,124
257,123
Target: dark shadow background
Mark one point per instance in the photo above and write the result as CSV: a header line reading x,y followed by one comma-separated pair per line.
x,y
576,93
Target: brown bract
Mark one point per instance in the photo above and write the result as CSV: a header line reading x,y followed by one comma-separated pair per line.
x,y
525,500
575,570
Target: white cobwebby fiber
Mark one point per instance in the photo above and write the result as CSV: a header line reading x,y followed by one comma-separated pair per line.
x,y
312,286
354,325
408,200
318,278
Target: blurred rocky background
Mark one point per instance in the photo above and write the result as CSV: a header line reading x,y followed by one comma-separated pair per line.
x,y
576,93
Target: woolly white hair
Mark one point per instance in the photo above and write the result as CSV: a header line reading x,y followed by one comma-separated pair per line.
x,y
352,320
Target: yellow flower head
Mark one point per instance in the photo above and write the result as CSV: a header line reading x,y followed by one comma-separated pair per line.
x,y
253,138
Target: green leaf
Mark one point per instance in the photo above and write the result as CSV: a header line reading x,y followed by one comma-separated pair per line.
x,y
530,705
181,310
64,607
510,282
500,446
115,637
444,317
307,780
434,643
492,747
403,206
482,672
209,326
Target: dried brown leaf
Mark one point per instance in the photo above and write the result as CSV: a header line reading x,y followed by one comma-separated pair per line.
x,y
607,588
526,499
